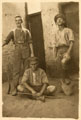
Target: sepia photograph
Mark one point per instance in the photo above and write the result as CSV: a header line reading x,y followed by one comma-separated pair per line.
x,y
40,59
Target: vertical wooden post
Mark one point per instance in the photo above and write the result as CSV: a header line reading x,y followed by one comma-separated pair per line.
x,y
27,21
26,16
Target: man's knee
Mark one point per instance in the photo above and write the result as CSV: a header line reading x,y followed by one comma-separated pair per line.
x,y
51,88
20,88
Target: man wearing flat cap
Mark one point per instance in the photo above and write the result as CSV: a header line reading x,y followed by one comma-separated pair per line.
x,y
22,40
35,80
64,39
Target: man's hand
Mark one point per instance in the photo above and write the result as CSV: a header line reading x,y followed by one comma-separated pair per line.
x,y
34,93
32,55
66,55
38,94
66,58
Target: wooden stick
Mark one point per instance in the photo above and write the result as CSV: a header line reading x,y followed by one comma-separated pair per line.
x,y
46,96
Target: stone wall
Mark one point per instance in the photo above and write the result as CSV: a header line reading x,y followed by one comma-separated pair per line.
x,y
48,11
9,11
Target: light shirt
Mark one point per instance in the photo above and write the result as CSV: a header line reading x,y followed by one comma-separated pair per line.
x,y
19,36
36,78
63,37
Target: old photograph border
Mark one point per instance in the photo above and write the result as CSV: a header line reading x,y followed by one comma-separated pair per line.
x,y
1,20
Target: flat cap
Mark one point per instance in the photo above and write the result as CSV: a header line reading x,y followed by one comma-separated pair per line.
x,y
33,60
59,16
18,16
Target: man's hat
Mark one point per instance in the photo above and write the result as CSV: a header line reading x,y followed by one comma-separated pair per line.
x,y
59,16
33,60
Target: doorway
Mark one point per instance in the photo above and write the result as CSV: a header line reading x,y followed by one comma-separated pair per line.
x,y
35,25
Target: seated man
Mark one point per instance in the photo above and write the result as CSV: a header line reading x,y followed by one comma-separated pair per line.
x,y
35,80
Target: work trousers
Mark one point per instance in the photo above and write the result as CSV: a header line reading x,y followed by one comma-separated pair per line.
x,y
48,90
20,58
63,68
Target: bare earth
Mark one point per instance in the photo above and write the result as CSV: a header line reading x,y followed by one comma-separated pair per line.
x,y
60,107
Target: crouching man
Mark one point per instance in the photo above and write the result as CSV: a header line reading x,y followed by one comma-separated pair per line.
x,y
35,80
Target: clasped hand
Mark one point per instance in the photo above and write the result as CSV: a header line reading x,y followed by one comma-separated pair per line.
x,y
36,94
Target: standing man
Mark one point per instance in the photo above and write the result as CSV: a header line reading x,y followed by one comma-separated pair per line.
x,y
64,39
21,37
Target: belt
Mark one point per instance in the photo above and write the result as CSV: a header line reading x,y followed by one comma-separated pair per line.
x,y
62,46
20,42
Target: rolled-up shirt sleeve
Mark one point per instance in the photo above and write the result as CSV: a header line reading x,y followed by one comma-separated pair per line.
x,y
70,35
44,78
9,37
25,76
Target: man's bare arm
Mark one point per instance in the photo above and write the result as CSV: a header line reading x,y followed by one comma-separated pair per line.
x,y
31,48
67,54
4,43
42,90
70,47
29,88
8,38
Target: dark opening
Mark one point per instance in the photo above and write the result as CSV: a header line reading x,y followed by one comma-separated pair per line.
x,y
35,25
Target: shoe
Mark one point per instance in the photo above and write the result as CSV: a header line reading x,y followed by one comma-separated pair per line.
x,y
67,81
14,93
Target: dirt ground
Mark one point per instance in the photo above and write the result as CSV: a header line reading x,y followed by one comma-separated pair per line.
x,y
60,107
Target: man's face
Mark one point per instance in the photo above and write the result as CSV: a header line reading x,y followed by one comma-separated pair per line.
x,y
18,21
60,21
34,66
